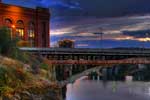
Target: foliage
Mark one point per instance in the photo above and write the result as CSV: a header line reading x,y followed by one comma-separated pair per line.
x,y
7,44
2,76
66,43
23,43
4,40
15,78
44,66
11,78
20,71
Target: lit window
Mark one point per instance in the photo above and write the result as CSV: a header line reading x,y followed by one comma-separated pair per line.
x,y
20,33
20,29
31,34
8,22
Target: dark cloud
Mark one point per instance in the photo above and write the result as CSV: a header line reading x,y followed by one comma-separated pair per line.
x,y
138,34
109,8
98,8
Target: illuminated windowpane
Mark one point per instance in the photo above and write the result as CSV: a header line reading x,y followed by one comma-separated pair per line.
x,y
20,32
31,34
20,29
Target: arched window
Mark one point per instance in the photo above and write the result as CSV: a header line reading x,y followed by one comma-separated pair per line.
x,y
31,34
9,25
20,29
8,22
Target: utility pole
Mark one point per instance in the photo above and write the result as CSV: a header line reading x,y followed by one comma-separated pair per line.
x,y
101,38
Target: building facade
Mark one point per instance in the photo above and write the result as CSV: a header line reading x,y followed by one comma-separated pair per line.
x,y
30,25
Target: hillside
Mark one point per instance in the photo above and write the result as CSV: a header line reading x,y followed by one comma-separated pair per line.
x,y
18,81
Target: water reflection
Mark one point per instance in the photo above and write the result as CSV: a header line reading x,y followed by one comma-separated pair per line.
x,y
103,90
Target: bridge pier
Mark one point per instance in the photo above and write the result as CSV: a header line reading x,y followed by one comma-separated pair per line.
x,y
104,73
52,73
70,70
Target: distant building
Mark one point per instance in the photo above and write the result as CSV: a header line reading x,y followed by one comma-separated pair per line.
x,y
66,43
31,25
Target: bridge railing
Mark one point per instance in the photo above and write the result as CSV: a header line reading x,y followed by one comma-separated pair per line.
x,y
99,62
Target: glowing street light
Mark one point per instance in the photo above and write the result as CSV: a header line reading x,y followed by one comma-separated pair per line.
x,y
13,26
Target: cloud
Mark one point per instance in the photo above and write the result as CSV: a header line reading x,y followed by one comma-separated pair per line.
x,y
138,33
114,29
98,8
46,3
105,25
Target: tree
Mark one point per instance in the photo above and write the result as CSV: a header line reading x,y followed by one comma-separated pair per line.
x,y
6,43
66,43
4,39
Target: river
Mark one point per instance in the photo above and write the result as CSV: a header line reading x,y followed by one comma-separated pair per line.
x,y
99,90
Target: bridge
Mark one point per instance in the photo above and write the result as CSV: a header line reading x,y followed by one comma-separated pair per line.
x,y
74,56
72,61
102,62
84,73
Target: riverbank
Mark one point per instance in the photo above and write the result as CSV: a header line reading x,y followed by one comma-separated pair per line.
x,y
18,81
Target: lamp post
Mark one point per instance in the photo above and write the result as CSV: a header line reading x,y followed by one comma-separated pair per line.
x,y
100,37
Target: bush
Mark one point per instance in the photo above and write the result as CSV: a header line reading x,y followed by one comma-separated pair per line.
x,y
23,43
4,40
2,76
44,66
6,43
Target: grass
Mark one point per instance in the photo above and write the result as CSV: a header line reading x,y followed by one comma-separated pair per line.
x,y
16,77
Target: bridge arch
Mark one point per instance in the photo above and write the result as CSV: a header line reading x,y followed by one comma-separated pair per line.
x,y
73,78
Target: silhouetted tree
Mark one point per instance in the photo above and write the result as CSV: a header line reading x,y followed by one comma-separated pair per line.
x,y
7,44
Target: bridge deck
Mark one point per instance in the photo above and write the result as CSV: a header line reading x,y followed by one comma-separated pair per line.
x,y
101,62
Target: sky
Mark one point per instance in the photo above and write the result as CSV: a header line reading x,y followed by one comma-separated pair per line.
x,y
123,23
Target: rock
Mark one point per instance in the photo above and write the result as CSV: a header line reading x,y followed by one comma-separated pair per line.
x,y
25,95
36,97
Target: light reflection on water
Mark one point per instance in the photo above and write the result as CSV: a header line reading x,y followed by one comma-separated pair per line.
x,y
98,90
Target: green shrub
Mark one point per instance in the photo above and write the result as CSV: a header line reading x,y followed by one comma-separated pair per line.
x,y
44,66
7,44
3,74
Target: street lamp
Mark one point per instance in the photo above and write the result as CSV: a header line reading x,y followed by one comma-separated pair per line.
x,y
101,38
13,26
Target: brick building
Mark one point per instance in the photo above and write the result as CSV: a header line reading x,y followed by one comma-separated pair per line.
x,y
31,25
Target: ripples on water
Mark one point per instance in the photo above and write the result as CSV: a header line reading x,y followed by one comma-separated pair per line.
x,y
98,90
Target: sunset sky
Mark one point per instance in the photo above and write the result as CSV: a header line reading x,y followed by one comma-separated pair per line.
x,y
124,23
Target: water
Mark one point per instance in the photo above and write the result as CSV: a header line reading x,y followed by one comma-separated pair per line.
x,y
98,90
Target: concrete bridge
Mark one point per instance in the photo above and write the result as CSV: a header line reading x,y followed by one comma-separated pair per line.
x,y
103,62
97,69
76,55
84,73
72,61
